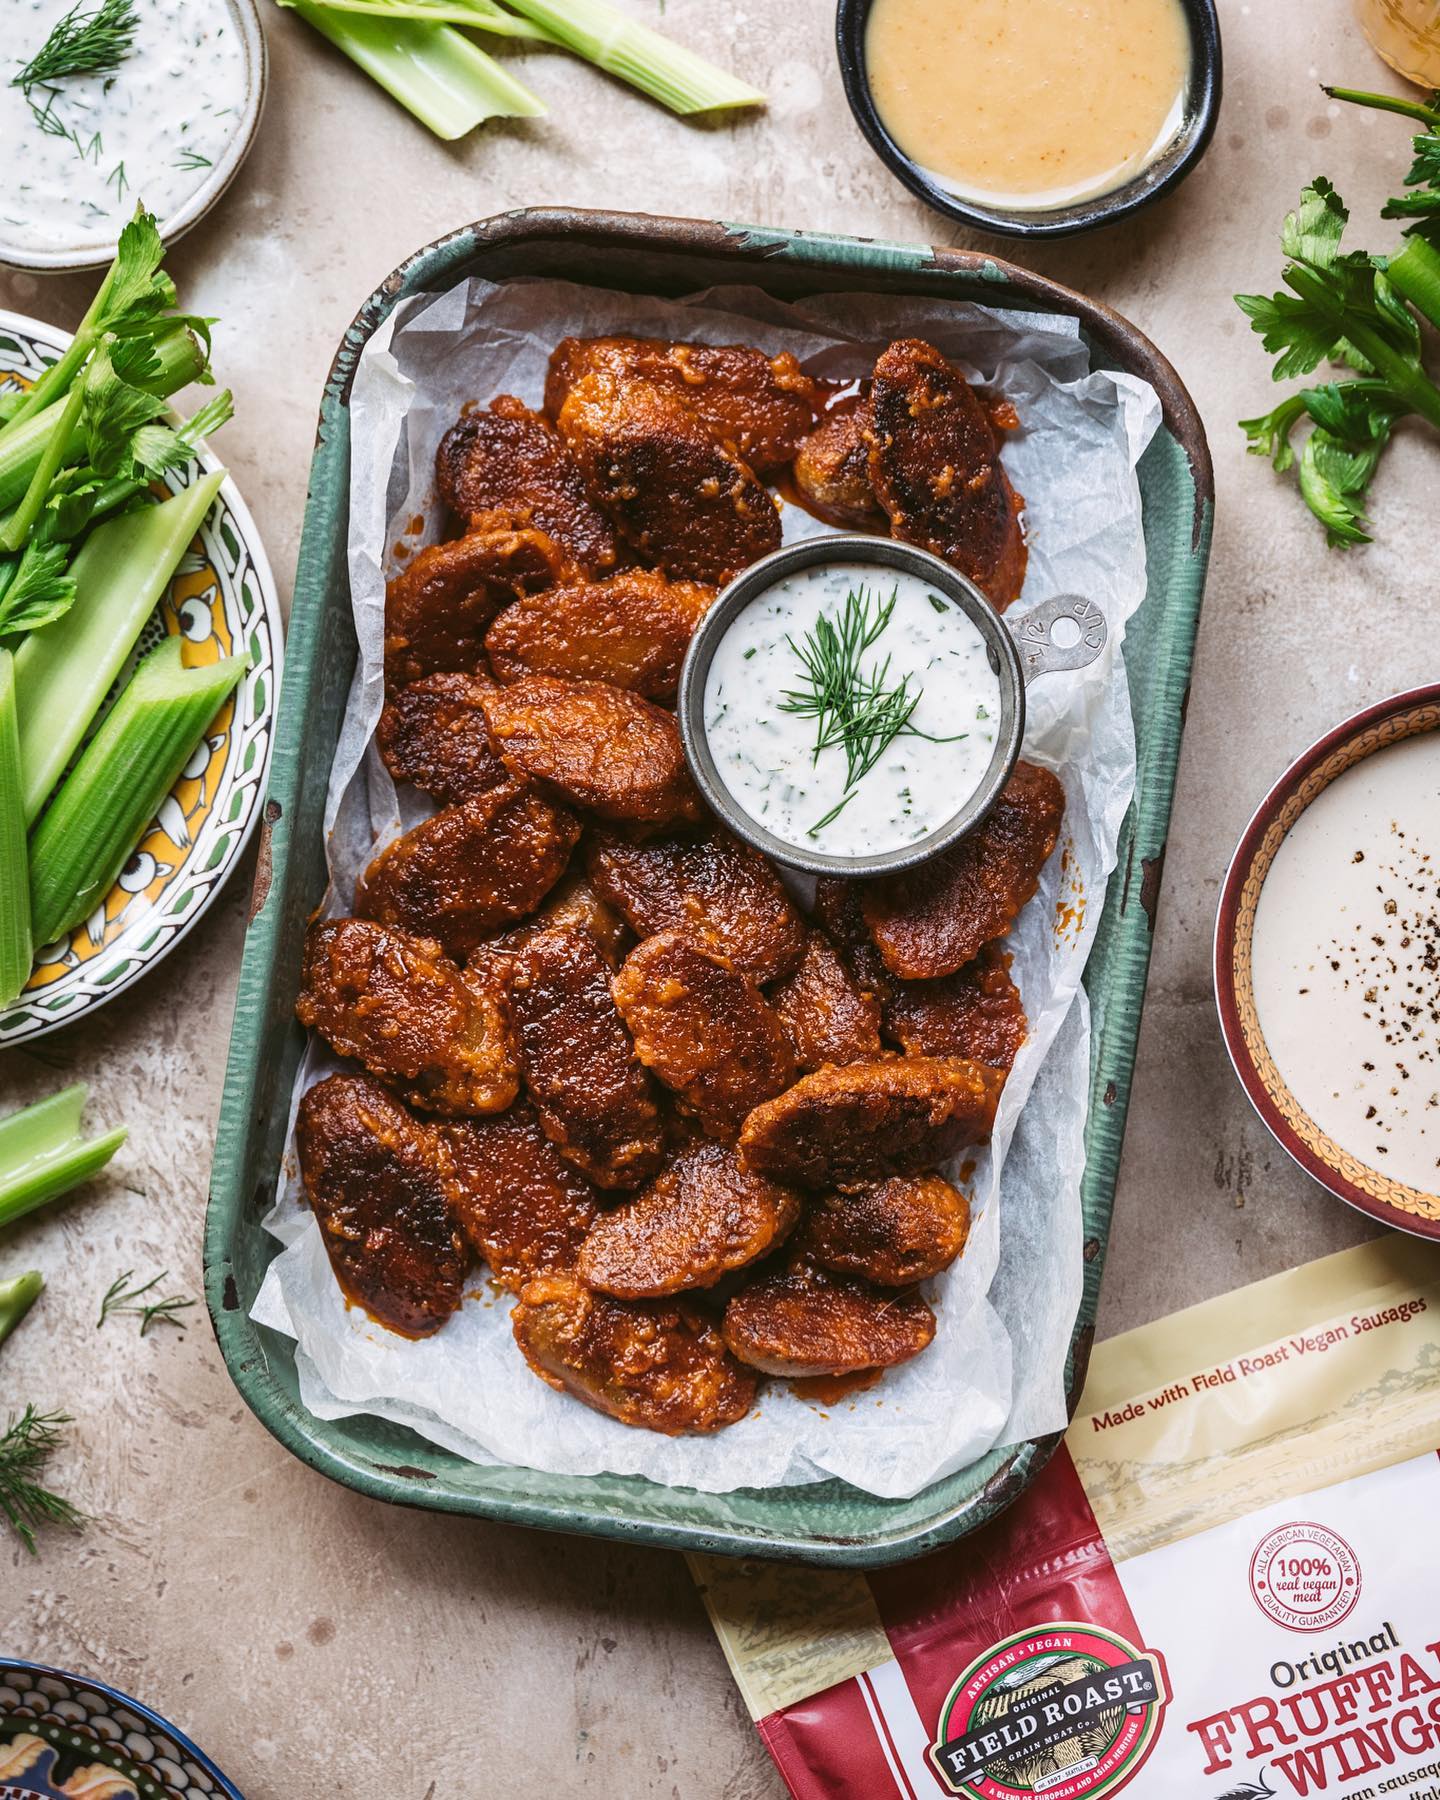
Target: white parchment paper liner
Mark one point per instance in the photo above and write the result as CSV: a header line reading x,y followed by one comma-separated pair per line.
x,y
994,1374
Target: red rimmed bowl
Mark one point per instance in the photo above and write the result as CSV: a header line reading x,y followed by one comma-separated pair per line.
x,y
1345,1174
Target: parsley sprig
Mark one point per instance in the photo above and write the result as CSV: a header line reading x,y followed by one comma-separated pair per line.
x,y
857,710
1354,308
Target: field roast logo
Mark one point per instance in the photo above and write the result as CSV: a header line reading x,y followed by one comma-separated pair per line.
x,y
1066,1711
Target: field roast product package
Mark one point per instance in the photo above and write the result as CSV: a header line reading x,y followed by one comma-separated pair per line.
x,y
1225,1585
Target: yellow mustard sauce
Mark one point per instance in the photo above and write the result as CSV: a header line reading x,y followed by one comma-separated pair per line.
x,y
1029,103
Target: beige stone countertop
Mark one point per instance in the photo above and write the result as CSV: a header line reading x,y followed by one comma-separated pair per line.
x,y
318,1644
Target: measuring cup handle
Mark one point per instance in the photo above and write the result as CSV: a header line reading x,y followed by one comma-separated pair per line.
x,y
1039,652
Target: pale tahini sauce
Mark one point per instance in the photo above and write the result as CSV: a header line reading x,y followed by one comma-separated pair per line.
x,y
766,753
79,155
1029,103
1347,961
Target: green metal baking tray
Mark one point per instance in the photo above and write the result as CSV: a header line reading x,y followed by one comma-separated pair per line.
x,y
830,1522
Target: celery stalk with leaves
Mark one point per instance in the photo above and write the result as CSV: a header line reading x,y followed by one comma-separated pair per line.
x,y
86,552
1358,309
106,440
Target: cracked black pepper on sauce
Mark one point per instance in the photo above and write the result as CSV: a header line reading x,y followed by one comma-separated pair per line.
x,y
1347,961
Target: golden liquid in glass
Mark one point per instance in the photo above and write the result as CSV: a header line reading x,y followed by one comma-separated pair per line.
x,y
1407,35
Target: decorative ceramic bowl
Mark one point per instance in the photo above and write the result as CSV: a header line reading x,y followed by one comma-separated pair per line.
x,y
1166,171
63,1737
89,253
1369,1189
223,593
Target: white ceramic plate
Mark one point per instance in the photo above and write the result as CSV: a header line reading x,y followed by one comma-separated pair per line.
x,y
223,592
90,253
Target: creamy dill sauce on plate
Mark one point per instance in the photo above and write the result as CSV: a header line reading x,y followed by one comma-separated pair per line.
x,y
1346,961
81,153
762,722
1029,103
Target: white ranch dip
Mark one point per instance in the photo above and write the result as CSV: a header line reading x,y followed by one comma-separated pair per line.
x,y
766,753
151,130
1346,961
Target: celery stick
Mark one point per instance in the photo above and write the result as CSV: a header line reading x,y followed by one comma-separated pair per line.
x,y
434,71
17,1296
38,1130
46,468
44,1178
15,947
114,790
477,15
42,1154
64,670
181,356
615,42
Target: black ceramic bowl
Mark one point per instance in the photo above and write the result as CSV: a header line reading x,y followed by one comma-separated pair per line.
x,y
1202,108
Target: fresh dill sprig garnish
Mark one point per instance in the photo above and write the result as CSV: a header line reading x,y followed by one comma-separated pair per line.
x,y
82,43
118,179
192,159
53,125
25,1448
120,1299
858,710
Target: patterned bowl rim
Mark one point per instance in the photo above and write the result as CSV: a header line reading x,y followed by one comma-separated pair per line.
x,y
138,1707
229,500
1389,721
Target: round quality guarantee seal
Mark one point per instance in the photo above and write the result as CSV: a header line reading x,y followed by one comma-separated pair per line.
x,y
1305,1577
1063,1711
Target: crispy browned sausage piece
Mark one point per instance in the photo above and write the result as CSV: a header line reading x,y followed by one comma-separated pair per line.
x,y
894,1232
933,919
837,907
763,405
704,1028
433,734
378,1184
509,459
595,1101
805,1321
832,469
684,501
525,1210
699,1219
608,751
975,1013
871,1119
438,608
631,630
573,901
709,877
395,1002
652,1364
935,464
829,1016
468,870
